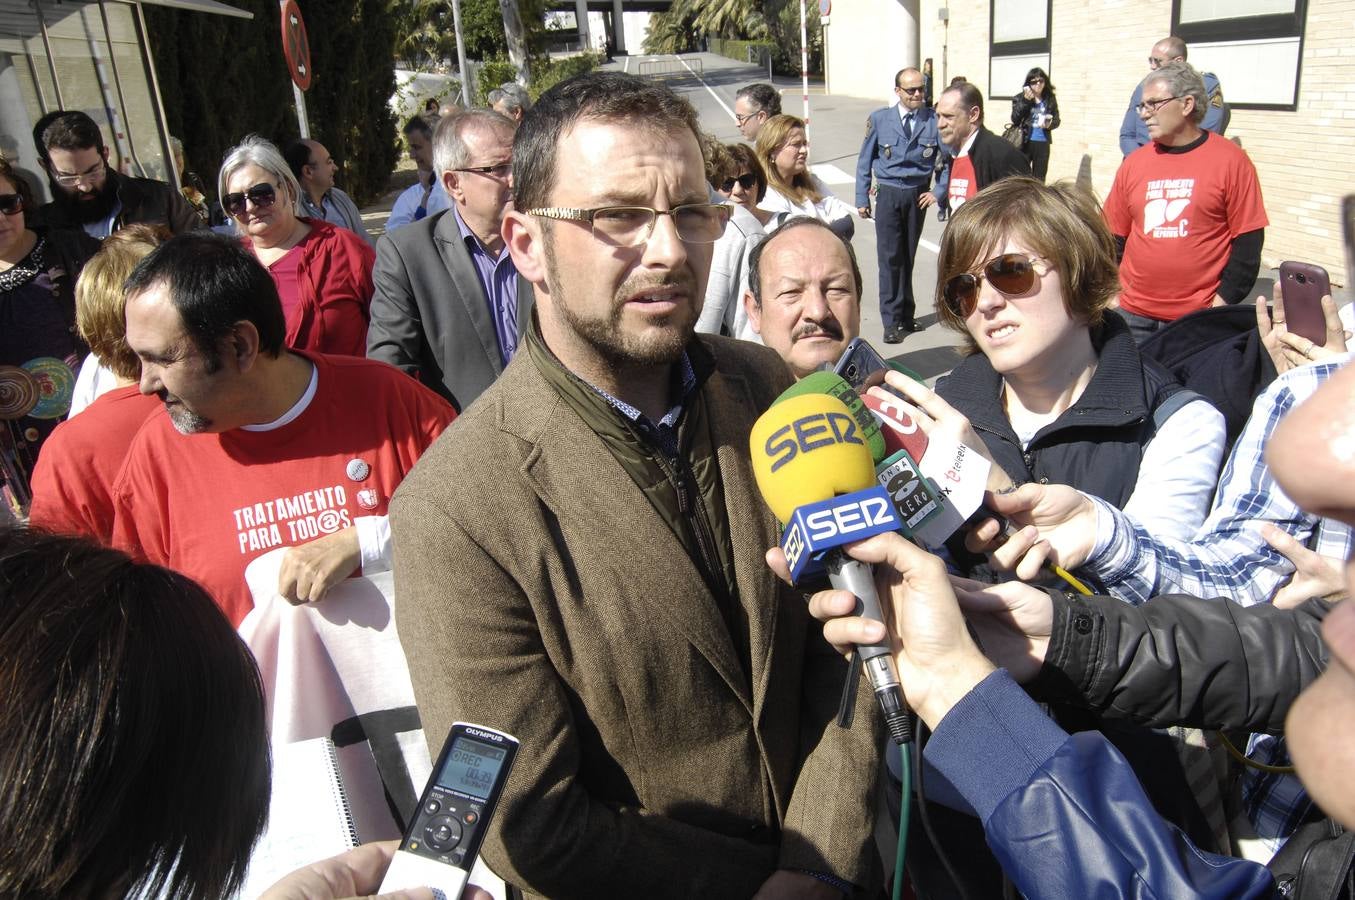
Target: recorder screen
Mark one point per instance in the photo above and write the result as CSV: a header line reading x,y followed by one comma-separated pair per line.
x,y
471,767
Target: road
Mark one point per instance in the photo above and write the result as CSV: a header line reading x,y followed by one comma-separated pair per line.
x,y
836,127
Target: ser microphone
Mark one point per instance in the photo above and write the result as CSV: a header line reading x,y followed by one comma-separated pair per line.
x,y
815,471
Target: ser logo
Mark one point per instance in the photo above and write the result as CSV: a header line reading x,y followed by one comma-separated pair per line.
x,y
793,545
836,524
809,433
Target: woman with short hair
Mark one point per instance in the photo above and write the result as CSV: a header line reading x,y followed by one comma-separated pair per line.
x,y
323,272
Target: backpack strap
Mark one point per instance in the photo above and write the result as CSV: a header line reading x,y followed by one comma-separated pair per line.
x,y
1169,407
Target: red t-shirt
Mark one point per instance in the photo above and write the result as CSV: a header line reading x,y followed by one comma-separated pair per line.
x,y
964,183
1180,213
73,480
285,276
208,504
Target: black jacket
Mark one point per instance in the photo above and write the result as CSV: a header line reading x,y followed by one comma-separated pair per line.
x,y
1021,108
143,201
1096,445
1180,660
995,159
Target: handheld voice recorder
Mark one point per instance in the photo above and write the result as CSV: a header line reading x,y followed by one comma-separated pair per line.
x,y
442,842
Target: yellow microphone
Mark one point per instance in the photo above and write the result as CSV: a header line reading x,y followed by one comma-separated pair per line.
x,y
814,468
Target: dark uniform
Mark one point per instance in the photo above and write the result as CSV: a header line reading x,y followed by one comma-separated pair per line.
x,y
903,170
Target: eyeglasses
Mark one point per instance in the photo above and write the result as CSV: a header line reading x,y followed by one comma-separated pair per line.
x,y
262,195
1155,61
1034,81
739,120
910,90
745,181
498,170
1154,105
11,204
1011,273
630,226
89,176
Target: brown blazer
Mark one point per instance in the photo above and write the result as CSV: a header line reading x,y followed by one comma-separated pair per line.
x,y
540,593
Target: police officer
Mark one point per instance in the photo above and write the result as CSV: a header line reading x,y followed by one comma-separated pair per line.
x,y
1133,131
900,148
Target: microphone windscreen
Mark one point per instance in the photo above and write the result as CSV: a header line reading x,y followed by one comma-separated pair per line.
x,y
835,385
808,448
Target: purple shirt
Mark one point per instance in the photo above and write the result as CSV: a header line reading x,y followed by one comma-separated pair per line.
x,y
499,279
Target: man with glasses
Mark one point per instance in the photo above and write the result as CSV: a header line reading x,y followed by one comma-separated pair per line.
x,y
450,306
1186,209
88,193
754,104
900,151
580,561
1133,133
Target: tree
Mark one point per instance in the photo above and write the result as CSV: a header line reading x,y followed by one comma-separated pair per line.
x,y
517,39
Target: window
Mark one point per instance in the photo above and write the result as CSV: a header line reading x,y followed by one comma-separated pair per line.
x,y
1255,47
1019,41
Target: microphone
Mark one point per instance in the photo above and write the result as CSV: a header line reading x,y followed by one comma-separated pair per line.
x,y
836,386
814,468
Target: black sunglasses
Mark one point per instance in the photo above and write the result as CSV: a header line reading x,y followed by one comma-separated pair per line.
x,y
1011,273
745,181
262,195
10,204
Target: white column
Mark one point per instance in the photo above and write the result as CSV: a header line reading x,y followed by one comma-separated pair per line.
x,y
581,16
618,27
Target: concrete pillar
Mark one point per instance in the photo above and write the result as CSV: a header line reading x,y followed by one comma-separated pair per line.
x,y
618,28
581,17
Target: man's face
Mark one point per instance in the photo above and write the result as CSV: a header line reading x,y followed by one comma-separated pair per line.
x,y
1168,117
484,197
810,308
173,367
420,150
320,171
909,89
603,307
954,121
1309,454
81,183
1160,55
749,118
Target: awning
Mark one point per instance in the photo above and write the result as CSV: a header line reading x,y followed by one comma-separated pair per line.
x,y
204,6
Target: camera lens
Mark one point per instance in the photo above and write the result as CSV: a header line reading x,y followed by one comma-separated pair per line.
x,y
1301,278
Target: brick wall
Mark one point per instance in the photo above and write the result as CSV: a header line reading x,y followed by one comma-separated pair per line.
x,y
1099,51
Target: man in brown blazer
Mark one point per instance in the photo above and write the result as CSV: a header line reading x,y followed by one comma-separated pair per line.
x,y
579,559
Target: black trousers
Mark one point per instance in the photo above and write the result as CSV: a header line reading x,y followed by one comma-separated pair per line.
x,y
1038,154
898,228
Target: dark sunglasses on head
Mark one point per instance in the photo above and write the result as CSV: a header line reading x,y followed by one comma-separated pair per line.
x,y
11,204
1011,273
262,195
745,181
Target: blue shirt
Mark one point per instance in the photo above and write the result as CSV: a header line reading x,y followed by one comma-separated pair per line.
x,y
499,280
664,433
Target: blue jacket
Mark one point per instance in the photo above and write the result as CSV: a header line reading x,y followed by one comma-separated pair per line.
x,y
1064,814
908,163
1134,134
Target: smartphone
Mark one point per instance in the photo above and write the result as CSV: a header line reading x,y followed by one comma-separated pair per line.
x,y
861,366
1303,286
1348,227
441,845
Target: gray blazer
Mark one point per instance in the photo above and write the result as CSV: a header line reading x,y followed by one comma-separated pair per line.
x,y
430,315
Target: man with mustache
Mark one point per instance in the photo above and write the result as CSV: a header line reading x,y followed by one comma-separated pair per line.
x,y
88,193
580,560
804,296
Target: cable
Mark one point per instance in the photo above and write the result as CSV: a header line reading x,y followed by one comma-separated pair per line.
x,y
924,733
1068,577
1249,762
905,806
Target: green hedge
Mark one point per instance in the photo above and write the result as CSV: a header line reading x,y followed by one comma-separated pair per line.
x,y
223,78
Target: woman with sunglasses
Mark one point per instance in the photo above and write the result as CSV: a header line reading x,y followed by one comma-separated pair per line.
x,y
1054,384
39,349
735,175
323,273
783,150
1036,110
